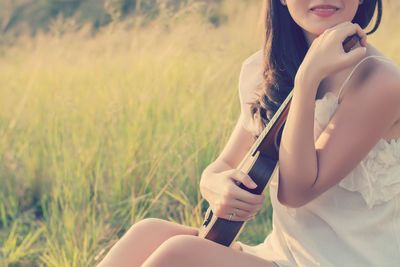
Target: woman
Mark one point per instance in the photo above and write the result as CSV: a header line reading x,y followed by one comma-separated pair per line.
x,y
336,197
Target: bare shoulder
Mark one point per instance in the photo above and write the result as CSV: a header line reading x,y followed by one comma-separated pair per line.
x,y
378,85
380,78
386,82
377,68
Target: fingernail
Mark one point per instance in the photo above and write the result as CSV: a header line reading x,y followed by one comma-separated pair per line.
x,y
253,184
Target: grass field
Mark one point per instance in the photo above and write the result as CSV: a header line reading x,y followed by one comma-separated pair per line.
x,y
99,132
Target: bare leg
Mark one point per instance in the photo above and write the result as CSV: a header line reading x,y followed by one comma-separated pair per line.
x,y
184,250
141,240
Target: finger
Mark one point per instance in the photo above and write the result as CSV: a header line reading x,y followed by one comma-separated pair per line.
x,y
362,34
351,29
353,56
245,206
234,217
238,175
239,212
252,208
255,211
233,205
246,218
248,197
225,213
356,54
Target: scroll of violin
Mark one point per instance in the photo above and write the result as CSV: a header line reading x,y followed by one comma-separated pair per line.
x,y
259,163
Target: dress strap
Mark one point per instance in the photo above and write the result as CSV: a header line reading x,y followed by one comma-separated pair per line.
x,y
351,73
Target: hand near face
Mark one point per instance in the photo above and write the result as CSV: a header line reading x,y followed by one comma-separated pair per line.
x,y
326,54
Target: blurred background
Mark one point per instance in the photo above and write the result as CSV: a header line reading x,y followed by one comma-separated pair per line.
x,y
109,112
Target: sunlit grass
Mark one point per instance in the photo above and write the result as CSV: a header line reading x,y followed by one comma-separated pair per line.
x,y
99,132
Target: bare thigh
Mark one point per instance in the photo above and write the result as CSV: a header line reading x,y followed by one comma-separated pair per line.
x,y
142,239
184,250
156,242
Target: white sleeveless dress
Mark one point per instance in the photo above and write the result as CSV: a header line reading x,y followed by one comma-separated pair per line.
x,y
355,223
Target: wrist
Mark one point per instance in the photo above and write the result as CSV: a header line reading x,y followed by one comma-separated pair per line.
x,y
306,89
308,76
308,83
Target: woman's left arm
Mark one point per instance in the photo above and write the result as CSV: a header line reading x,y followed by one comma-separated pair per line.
x,y
307,168
298,162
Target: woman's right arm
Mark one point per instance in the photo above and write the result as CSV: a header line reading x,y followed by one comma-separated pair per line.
x,y
217,183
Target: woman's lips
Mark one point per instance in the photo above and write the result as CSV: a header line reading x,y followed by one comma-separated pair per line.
x,y
324,11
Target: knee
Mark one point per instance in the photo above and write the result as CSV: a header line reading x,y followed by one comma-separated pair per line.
x,y
148,222
175,251
157,226
145,225
179,244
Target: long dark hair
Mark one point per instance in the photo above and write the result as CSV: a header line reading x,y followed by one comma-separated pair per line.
x,y
283,54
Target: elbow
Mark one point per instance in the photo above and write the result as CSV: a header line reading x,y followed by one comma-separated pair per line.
x,y
294,195
291,203
293,199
